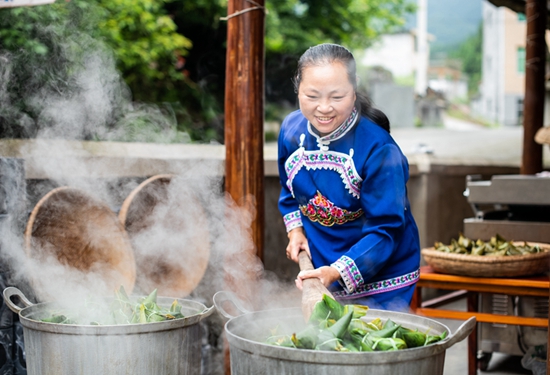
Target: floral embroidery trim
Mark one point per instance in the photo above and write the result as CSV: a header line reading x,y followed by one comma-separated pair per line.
x,y
320,209
381,286
338,132
349,272
292,166
336,161
293,220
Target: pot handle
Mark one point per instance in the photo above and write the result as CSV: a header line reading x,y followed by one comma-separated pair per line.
x,y
13,291
206,312
461,333
223,296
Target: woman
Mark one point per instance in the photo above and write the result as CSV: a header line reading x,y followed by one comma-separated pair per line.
x,y
344,197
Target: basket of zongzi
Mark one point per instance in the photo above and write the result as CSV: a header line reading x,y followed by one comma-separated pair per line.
x,y
497,257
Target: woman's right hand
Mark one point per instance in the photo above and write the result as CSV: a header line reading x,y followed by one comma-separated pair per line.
x,y
297,242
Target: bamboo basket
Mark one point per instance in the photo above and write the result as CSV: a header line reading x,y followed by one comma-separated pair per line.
x,y
490,266
543,136
168,229
82,233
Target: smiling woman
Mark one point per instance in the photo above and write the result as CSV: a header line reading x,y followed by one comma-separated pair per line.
x,y
325,99
344,197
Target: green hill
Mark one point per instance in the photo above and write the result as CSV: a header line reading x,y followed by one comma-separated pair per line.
x,y
451,22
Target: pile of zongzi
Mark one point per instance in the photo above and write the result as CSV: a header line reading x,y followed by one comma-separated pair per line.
x,y
336,327
497,246
121,310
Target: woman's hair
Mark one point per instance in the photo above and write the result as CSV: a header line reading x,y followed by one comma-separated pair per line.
x,y
328,53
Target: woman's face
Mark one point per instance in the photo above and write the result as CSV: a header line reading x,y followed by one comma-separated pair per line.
x,y
326,96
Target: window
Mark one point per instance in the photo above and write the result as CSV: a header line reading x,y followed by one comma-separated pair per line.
x,y
521,60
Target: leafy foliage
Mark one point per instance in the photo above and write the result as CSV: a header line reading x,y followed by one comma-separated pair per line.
x,y
144,39
470,53
293,26
169,52
49,50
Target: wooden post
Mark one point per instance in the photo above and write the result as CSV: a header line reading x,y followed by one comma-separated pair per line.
x,y
536,13
244,137
473,306
244,109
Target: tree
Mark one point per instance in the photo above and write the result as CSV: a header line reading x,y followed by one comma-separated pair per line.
x,y
470,54
169,52
293,26
45,50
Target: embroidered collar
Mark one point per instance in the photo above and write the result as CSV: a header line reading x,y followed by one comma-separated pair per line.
x,y
336,134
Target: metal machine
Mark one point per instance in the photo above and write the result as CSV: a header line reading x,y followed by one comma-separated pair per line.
x,y
517,207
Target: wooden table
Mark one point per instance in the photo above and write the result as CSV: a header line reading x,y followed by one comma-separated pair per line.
x,y
470,287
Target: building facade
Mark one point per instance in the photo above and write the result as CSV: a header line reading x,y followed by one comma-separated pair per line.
x,y
503,66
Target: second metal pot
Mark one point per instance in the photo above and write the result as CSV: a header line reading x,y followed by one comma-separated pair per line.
x,y
161,348
250,354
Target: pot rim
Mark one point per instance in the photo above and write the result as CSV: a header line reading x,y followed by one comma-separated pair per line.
x,y
196,310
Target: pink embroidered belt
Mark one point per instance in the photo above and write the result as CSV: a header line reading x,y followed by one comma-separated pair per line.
x,y
381,286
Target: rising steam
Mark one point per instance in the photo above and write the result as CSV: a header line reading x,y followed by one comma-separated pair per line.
x,y
197,230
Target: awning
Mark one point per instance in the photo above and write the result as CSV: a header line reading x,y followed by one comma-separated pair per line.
x,y
517,6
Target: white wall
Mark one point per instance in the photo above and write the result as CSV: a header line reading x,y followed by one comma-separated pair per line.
x,y
451,89
394,52
491,69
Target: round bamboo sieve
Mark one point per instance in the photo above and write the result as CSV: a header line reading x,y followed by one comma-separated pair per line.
x,y
82,232
490,266
169,233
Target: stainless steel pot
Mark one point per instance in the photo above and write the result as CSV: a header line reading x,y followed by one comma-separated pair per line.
x,y
249,354
162,348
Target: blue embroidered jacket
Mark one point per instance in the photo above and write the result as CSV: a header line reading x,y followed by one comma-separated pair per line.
x,y
348,191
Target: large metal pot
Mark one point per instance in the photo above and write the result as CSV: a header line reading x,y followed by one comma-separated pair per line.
x,y
249,354
162,348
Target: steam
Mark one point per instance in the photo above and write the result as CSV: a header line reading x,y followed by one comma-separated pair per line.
x,y
198,231
86,109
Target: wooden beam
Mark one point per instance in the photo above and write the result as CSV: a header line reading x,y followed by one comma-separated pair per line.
x,y
244,110
483,317
517,6
244,138
536,13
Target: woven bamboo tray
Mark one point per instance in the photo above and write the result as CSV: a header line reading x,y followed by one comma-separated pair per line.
x,y
490,266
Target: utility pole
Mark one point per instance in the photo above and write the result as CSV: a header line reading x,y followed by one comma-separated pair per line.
x,y
244,109
244,136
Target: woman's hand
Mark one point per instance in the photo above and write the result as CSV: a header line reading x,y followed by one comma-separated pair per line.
x,y
326,274
297,242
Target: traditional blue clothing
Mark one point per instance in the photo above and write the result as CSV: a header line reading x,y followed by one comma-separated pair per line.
x,y
348,191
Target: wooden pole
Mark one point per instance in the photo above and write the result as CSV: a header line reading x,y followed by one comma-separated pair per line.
x,y
244,137
244,109
536,13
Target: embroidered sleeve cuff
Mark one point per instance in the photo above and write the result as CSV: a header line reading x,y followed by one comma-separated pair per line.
x,y
351,277
293,220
